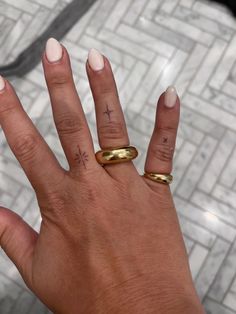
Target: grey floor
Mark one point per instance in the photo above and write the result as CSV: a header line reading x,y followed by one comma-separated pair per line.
x,y
151,43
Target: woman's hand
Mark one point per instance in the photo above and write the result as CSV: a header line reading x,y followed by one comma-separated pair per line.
x,y
109,241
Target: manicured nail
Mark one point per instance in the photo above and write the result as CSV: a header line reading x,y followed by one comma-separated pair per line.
x,y
170,97
2,83
96,60
53,50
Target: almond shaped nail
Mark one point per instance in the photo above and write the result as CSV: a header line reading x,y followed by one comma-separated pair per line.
x,y
170,97
2,83
96,60
53,50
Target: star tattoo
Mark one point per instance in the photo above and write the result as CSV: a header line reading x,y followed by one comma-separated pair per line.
x,y
81,157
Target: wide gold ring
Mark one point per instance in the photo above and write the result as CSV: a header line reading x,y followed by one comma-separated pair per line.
x,y
160,178
116,155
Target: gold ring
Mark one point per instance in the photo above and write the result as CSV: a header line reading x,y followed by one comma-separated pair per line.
x,y
160,178
116,155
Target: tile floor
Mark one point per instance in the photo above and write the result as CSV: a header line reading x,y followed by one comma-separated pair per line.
x,y
151,43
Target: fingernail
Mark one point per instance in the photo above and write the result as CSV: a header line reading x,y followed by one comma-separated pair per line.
x,y
2,83
170,97
53,50
96,60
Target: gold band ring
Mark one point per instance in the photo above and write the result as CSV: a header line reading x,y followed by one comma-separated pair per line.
x,y
116,155
160,178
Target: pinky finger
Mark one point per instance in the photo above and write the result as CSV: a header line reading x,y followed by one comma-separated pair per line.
x,y
162,145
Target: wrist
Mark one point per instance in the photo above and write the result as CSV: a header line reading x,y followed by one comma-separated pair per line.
x,y
149,304
149,297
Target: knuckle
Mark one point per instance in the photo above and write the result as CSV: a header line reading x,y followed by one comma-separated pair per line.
x,y
69,125
164,149
163,153
112,131
57,201
105,90
59,79
166,129
56,198
25,147
6,108
54,205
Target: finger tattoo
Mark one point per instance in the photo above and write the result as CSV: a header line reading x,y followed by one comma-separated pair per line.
x,y
108,112
165,140
81,157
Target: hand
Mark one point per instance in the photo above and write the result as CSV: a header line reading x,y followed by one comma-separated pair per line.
x,y
109,241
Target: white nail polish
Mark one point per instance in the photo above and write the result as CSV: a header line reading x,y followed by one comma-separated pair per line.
x,y
53,50
2,83
170,97
96,60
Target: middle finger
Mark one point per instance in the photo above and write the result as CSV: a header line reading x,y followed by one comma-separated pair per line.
x,y
67,110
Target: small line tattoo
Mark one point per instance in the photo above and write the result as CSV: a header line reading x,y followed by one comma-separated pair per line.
x,y
108,113
81,157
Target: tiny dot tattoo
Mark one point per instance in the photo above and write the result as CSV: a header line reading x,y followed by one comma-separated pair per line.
x,y
81,157
108,113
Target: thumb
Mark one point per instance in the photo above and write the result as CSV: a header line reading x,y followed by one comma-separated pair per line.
x,y
18,241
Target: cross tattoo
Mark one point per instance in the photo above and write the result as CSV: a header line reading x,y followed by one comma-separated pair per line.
x,y
108,113
82,157
165,140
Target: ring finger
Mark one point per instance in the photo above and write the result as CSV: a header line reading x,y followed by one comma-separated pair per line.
x,y
111,127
